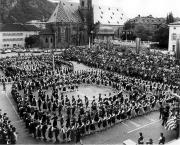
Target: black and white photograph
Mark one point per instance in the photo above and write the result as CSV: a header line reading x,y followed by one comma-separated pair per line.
x,y
90,72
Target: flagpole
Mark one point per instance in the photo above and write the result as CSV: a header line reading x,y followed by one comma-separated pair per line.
x,y
89,42
53,51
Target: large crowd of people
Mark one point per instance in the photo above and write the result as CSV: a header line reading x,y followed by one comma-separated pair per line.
x,y
157,68
148,80
8,133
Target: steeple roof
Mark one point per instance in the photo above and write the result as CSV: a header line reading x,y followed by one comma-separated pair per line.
x,y
66,12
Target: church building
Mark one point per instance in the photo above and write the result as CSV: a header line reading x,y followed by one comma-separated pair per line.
x,y
77,23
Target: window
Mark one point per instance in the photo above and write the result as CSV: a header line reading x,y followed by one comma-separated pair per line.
x,y
12,34
4,45
174,28
51,40
13,39
173,48
46,40
174,36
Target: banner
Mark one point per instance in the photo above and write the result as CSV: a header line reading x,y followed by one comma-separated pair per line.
x,y
171,124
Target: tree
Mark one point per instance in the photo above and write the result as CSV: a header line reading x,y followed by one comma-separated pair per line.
x,y
128,25
162,35
143,32
32,41
170,18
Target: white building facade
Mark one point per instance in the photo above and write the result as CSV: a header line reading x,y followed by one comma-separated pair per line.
x,y
174,34
13,36
10,40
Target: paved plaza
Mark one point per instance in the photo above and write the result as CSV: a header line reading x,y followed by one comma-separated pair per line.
x,y
149,124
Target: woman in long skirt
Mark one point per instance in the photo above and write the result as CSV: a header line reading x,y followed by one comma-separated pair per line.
x,y
141,110
50,133
87,127
133,112
105,123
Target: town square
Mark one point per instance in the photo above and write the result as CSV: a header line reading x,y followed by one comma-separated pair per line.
x,y
81,72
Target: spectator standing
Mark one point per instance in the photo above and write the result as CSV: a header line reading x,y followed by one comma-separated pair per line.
x,y
141,138
162,139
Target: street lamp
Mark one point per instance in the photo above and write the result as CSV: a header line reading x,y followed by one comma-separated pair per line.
x,y
91,38
92,32
53,51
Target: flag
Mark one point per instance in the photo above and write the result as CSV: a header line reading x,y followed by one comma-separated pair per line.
x,y
171,124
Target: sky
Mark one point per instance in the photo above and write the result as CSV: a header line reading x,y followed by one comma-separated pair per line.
x,y
132,8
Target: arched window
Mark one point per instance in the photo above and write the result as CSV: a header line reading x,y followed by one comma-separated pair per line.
x,y
67,34
46,40
51,40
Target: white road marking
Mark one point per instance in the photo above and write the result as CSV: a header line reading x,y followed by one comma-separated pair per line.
x,y
144,126
124,124
17,121
152,120
134,123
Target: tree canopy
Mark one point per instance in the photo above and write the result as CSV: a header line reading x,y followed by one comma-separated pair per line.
x,y
169,18
32,41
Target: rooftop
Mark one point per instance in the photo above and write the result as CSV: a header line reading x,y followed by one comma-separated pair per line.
x,y
175,23
66,12
148,20
109,15
17,27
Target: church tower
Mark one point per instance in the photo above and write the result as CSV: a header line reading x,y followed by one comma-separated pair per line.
x,y
86,4
86,11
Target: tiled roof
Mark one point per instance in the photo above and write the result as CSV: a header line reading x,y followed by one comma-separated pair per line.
x,y
175,23
17,27
46,32
148,20
66,12
109,15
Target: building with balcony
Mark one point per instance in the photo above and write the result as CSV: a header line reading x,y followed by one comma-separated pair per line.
x,y
174,34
